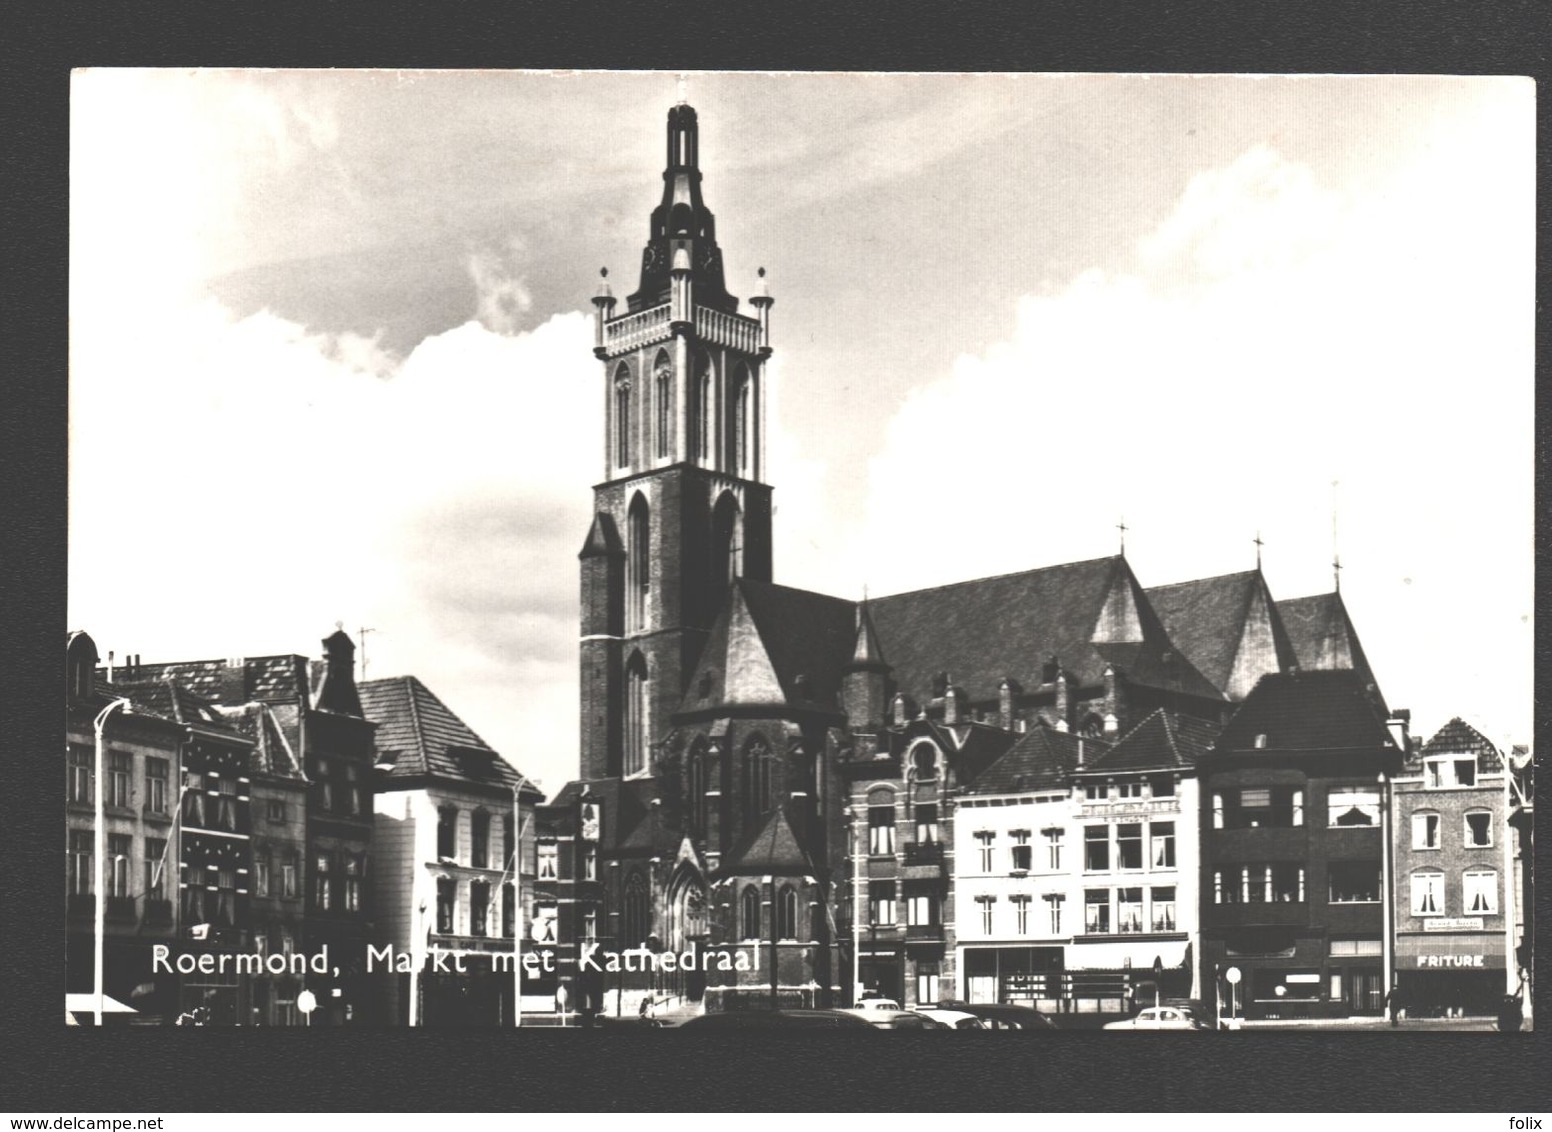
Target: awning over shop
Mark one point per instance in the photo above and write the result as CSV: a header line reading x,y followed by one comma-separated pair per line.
x,y
87,1003
1450,951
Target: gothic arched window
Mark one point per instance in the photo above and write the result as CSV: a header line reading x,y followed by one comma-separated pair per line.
x,y
662,394
635,913
787,913
699,776
703,406
759,778
749,912
741,438
636,683
638,565
622,416
727,541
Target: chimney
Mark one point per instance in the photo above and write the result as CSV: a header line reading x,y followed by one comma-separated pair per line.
x,y
1113,701
1063,708
110,666
903,708
1007,700
234,683
1399,724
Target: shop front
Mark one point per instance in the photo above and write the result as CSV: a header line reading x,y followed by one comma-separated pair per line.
x,y
1450,974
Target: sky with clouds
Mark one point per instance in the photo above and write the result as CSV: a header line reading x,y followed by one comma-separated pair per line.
x,y
331,352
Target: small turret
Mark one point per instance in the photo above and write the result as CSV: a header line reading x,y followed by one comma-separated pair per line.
x,y
863,679
603,305
762,302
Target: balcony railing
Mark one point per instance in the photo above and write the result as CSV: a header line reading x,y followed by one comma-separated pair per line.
x,y
639,329
924,853
923,933
723,329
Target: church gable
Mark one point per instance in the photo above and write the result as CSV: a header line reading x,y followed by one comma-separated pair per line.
x,y
1322,636
1227,627
1119,621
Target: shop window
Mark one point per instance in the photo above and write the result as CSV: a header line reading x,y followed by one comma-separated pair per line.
x,y
1354,882
1096,911
1096,848
1425,831
1427,894
1162,834
1355,946
1480,892
1129,846
1479,829
1353,806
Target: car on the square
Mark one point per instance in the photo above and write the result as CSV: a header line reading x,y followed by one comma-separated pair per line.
x,y
952,1019
1004,1016
1160,1018
816,1019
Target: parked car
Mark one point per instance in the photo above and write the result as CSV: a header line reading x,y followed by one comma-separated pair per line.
x,y
1003,1016
951,1019
1160,1018
777,1020
869,1008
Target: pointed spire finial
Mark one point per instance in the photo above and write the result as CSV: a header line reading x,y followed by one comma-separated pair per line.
x,y
1259,545
684,97
1121,526
1336,553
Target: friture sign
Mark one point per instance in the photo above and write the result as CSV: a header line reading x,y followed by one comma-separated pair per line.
x,y
1461,952
1453,924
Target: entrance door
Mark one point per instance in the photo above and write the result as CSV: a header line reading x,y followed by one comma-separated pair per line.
x,y
1365,991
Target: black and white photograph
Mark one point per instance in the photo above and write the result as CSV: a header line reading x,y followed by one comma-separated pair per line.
x,y
751,551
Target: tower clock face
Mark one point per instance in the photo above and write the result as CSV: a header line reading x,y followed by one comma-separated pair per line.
x,y
652,258
710,258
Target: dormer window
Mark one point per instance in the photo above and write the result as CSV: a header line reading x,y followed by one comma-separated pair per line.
x,y
1446,771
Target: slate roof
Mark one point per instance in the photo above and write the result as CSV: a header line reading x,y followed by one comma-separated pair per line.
x,y
783,632
1322,634
773,849
166,699
1162,740
984,630
1205,618
1308,711
1457,737
267,678
421,736
1041,760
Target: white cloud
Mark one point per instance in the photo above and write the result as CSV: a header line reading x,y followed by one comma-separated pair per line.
x,y
1275,334
501,292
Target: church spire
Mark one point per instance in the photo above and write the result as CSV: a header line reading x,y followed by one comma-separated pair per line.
x,y
683,232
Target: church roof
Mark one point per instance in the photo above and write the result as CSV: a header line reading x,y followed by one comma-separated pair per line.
x,y
773,849
1215,621
1457,737
765,639
1307,711
1322,634
1041,760
420,736
1161,741
1086,614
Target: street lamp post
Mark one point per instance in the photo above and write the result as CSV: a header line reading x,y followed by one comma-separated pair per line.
x,y
517,901
100,853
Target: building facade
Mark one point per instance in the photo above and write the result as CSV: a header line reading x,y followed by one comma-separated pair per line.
x,y
1454,895
453,843
1295,810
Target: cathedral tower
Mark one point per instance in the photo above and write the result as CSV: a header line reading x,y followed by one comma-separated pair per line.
x,y
682,509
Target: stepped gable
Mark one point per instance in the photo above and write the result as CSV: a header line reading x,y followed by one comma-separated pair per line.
x,y
1209,619
419,736
1322,634
1161,740
766,637
1457,737
773,849
1088,614
1308,711
1042,760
